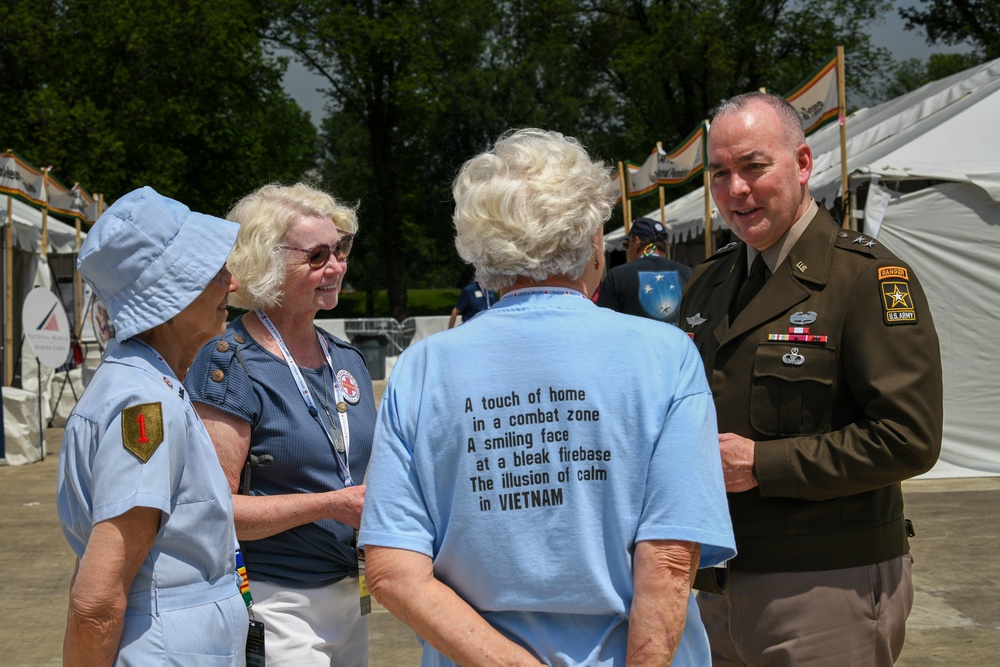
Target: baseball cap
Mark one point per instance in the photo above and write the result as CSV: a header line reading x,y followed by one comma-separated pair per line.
x,y
148,257
647,228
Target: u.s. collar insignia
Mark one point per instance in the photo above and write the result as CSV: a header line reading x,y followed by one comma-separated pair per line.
x,y
696,320
352,392
142,429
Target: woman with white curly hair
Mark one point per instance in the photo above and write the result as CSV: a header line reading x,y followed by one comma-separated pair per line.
x,y
532,499
291,412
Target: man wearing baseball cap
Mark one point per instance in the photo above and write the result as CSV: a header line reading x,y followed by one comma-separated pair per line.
x,y
648,284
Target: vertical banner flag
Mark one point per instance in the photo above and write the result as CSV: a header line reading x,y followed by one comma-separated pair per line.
x,y
685,162
73,201
668,169
816,99
20,179
642,178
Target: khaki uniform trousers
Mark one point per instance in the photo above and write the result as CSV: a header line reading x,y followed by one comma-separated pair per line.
x,y
830,618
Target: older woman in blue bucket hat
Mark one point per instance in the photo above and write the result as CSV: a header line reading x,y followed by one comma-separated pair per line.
x,y
142,499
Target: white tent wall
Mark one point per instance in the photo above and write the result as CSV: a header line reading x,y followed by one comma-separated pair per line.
x,y
31,269
949,233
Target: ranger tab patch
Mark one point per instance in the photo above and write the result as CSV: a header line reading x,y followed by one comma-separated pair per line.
x,y
142,429
897,303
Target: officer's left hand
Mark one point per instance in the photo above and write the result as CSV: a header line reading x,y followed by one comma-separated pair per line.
x,y
737,462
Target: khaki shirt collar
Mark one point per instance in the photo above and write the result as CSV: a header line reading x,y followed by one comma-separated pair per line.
x,y
777,253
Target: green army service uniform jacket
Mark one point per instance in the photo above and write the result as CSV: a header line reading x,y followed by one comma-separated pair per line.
x,y
834,370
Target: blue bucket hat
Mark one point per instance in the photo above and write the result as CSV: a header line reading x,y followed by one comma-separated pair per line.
x,y
148,257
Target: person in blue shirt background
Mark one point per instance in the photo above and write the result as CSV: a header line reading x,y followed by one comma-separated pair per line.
x,y
473,299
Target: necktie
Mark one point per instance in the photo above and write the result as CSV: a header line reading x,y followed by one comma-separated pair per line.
x,y
755,280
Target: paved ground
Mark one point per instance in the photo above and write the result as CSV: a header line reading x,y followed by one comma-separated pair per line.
x,y
955,620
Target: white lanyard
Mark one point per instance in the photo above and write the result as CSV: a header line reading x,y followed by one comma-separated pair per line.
x,y
300,382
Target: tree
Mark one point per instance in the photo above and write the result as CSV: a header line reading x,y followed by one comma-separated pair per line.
x,y
674,61
174,94
914,73
391,66
976,22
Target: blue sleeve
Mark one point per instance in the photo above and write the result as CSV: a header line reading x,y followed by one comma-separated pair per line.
x,y
395,513
121,480
685,496
218,378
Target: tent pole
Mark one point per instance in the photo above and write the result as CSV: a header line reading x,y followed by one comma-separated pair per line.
x,y
45,212
41,427
77,284
845,205
707,183
8,339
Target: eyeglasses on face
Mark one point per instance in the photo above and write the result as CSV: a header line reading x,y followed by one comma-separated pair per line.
x,y
318,255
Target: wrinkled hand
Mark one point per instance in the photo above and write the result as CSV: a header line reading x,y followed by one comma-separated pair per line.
x,y
346,505
737,462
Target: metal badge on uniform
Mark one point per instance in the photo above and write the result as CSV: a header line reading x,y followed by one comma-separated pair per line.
x,y
799,319
793,358
352,392
142,429
897,303
696,320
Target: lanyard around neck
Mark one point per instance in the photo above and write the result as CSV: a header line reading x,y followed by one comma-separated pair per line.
x,y
559,291
300,382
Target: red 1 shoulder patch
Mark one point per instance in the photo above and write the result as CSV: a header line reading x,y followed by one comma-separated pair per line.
x,y
142,429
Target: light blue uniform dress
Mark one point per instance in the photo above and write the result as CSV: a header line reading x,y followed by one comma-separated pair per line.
x,y
184,606
527,451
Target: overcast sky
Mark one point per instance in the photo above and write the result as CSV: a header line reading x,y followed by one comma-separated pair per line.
x,y
889,32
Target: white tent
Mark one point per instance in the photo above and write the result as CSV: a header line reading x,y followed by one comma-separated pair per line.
x,y
30,269
930,161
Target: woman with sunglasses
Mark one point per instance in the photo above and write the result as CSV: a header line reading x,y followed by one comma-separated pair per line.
x,y
291,411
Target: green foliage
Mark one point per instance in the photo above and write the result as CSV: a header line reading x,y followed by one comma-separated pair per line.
x,y
914,73
174,94
183,95
976,22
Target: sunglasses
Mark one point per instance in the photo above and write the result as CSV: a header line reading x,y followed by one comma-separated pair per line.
x,y
318,255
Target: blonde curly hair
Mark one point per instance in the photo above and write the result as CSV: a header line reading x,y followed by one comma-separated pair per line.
x,y
264,216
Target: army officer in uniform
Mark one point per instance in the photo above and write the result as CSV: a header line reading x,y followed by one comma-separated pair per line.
x,y
825,369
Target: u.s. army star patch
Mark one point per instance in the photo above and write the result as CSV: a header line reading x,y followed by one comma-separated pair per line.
x,y
897,303
142,429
